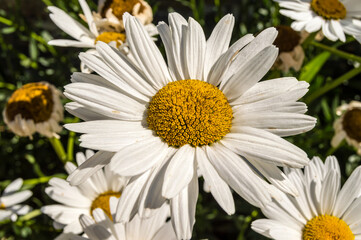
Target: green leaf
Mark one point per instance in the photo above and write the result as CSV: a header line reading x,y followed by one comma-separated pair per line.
x,y
310,70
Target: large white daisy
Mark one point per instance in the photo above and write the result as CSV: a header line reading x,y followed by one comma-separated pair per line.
x,y
101,227
322,210
10,199
205,110
334,17
82,199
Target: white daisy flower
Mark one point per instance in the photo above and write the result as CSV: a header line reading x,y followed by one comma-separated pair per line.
x,y
291,54
10,199
82,199
322,210
35,107
113,10
108,30
348,125
160,124
87,38
101,227
334,17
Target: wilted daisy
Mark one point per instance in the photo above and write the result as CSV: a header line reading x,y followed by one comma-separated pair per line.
x,y
10,199
322,210
348,125
204,110
82,199
35,107
291,54
334,17
101,227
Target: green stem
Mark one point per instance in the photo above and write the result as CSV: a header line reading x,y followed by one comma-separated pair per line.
x,y
308,40
59,149
30,215
70,148
36,166
319,92
337,52
34,181
26,217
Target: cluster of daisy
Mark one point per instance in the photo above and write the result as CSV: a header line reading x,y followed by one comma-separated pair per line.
x,y
158,125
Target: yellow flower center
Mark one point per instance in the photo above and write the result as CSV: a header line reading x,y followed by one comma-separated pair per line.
x,y
102,201
352,123
108,37
329,9
326,227
119,7
287,38
2,206
189,112
32,101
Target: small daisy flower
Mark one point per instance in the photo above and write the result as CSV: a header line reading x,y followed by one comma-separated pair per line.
x,y
348,125
291,54
101,227
322,210
35,107
82,199
334,17
10,199
109,30
87,38
113,10
205,110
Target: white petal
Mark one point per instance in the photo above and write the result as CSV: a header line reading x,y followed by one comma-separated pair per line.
x,y
13,186
218,42
250,73
138,157
329,192
89,167
15,198
70,43
146,53
265,146
350,190
179,172
237,174
218,187
89,17
195,50
183,208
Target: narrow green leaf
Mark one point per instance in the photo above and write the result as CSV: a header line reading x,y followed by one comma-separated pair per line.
x,y
310,70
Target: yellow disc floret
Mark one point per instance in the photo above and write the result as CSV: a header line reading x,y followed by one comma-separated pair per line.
x,y
189,112
108,37
352,124
329,9
102,201
32,101
119,7
326,227
2,206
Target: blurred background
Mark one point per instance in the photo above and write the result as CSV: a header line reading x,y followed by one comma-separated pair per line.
x,y
25,56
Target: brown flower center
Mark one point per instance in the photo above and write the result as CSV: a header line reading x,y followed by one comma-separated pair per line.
x,y
189,112
352,124
287,39
329,9
32,101
102,201
119,7
108,37
326,227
